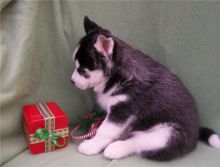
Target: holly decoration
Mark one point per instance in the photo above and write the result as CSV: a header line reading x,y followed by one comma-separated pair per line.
x,y
88,124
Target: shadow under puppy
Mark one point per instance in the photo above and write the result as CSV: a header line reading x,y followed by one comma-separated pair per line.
x,y
149,111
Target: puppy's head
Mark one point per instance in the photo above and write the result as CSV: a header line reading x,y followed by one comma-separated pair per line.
x,y
92,56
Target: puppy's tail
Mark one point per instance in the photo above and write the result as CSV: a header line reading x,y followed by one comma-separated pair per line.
x,y
210,137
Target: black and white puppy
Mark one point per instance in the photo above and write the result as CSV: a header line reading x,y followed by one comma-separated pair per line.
x,y
149,111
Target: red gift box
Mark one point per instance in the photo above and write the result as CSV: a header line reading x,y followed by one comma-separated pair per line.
x,y
46,127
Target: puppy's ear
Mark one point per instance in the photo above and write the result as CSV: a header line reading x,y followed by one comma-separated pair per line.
x,y
90,25
104,45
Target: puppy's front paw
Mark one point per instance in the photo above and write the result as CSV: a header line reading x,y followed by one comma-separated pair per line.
x,y
89,147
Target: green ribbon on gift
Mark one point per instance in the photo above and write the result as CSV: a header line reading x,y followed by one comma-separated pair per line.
x,y
43,134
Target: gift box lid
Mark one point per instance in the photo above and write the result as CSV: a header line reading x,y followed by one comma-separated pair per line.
x,y
34,119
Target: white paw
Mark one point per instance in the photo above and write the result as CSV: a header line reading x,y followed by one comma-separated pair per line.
x,y
89,147
117,150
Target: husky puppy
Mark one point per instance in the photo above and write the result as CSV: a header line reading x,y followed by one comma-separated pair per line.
x,y
149,110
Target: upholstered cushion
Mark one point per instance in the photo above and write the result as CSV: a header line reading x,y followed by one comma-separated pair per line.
x,y
37,41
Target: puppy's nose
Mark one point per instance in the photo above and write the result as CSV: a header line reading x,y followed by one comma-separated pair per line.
x,y
72,81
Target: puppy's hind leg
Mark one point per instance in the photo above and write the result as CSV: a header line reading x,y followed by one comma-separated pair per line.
x,y
153,139
119,149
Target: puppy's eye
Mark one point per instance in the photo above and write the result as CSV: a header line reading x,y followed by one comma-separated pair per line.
x,y
82,72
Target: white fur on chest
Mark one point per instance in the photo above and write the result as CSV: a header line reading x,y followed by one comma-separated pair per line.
x,y
107,100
